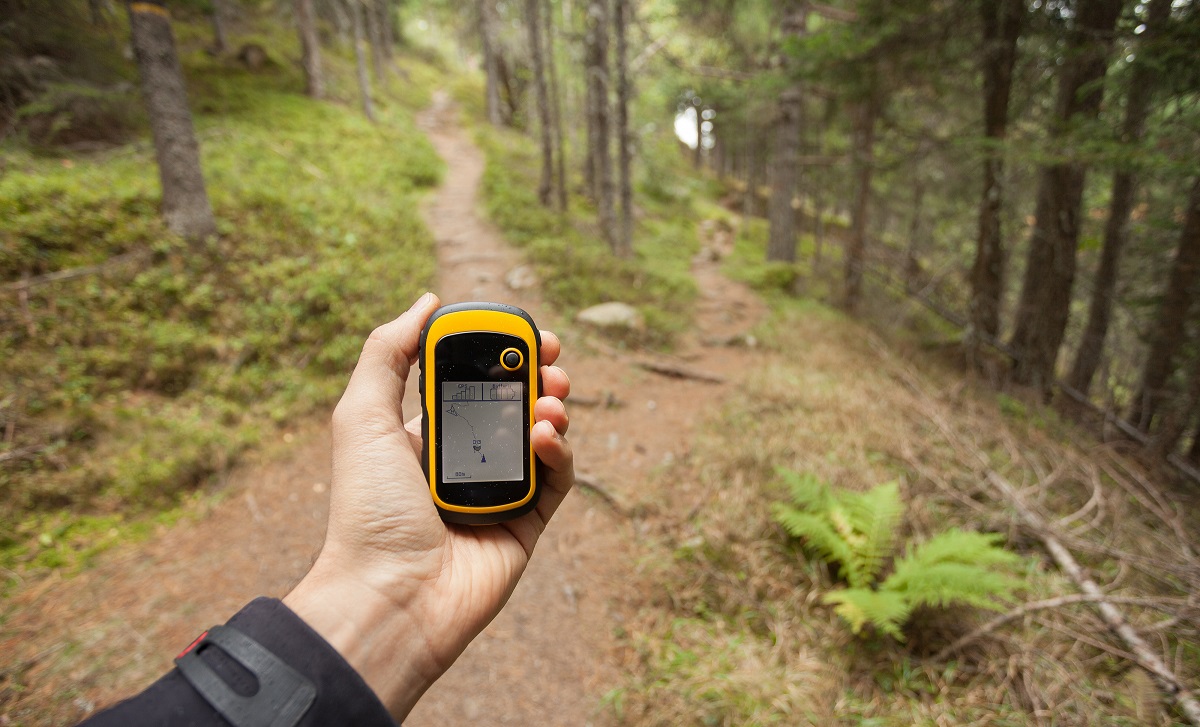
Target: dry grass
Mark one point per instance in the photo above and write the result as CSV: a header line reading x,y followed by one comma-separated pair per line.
x,y
735,632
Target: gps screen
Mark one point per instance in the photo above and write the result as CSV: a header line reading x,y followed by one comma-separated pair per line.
x,y
481,431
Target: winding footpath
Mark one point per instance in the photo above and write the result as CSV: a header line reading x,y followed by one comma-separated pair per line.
x,y
77,644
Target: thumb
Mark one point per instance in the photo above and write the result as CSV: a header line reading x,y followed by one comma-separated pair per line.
x,y
376,387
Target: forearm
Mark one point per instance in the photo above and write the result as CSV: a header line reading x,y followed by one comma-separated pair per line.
x,y
342,696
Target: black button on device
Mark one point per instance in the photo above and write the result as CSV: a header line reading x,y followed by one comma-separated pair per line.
x,y
512,359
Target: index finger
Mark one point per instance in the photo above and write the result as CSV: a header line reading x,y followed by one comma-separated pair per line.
x,y
550,349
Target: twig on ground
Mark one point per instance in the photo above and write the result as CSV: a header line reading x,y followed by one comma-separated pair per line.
x,y
24,452
1113,618
1051,603
592,485
678,372
70,273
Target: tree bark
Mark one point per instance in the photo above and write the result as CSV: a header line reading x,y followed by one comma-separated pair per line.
x,y
1182,411
375,35
1170,329
864,165
596,60
387,35
1124,189
785,157
781,241
533,26
1193,454
487,36
624,237
310,44
1001,27
218,26
912,262
185,204
1050,269
560,171
360,61
100,11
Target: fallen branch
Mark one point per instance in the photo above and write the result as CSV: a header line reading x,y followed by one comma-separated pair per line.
x,y
68,274
1112,616
674,370
1057,602
592,485
678,372
23,452
1140,651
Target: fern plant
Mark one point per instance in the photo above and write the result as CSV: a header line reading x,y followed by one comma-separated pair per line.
x,y
857,531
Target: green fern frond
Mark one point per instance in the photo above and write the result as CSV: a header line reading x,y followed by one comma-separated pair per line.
x,y
808,492
886,611
875,516
819,536
949,584
961,546
955,567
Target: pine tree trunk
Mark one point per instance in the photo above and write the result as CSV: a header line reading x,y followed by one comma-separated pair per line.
x,y
785,157
781,242
1177,416
341,21
218,27
864,165
1170,329
99,11
533,26
560,171
1001,27
1050,270
749,208
360,60
375,35
386,35
624,237
1193,454
487,36
184,199
1124,189
596,61
310,44
912,262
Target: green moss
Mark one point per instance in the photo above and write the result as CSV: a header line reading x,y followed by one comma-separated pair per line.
x,y
135,384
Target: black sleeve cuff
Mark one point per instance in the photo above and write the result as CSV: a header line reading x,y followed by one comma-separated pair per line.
x,y
343,698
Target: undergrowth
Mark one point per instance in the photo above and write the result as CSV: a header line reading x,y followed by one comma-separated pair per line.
x,y
735,627
124,389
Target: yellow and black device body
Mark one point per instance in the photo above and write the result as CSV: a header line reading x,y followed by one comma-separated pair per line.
x,y
479,382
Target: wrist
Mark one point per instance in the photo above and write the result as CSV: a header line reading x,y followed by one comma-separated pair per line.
x,y
378,635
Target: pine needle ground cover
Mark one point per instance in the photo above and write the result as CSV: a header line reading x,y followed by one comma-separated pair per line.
x,y
126,390
735,627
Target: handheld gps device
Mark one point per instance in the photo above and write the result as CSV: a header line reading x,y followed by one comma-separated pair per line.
x,y
479,382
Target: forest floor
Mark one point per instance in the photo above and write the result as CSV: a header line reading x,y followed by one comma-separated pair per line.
x,y
73,645
662,592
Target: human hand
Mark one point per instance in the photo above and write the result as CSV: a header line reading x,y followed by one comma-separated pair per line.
x,y
395,590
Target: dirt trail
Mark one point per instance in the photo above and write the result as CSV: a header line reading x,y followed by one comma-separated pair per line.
x,y
76,644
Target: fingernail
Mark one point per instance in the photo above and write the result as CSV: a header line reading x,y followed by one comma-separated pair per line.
x,y
422,301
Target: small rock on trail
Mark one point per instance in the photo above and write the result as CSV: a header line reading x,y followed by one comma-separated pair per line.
x,y
612,315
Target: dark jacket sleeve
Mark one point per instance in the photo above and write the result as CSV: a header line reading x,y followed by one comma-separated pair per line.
x,y
343,698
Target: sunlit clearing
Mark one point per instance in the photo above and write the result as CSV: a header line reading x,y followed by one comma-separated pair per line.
x,y
685,127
